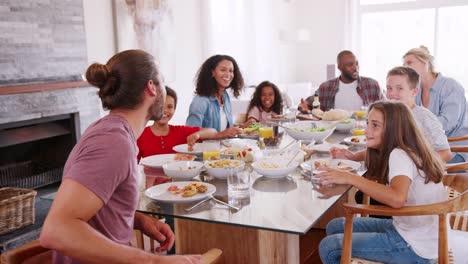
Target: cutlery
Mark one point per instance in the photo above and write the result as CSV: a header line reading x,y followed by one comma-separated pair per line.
x,y
228,205
297,152
197,204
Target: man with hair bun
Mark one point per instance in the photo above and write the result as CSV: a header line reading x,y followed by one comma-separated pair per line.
x,y
93,214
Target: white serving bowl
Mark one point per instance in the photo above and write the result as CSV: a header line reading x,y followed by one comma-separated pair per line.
x,y
223,172
345,125
280,172
298,131
183,170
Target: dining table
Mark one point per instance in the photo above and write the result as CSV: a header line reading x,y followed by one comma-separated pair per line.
x,y
282,221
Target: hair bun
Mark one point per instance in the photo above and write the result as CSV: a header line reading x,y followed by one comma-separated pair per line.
x,y
97,74
425,49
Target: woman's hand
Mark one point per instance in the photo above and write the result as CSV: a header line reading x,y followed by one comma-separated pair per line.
x,y
156,230
193,138
333,176
230,132
251,120
341,153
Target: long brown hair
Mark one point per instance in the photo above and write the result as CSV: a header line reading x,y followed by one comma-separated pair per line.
x,y
401,131
122,80
277,106
206,84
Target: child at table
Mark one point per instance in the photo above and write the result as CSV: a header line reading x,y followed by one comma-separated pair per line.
x,y
265,103
403,170
161,137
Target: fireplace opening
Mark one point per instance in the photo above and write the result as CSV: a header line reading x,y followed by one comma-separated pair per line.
x,y
33,152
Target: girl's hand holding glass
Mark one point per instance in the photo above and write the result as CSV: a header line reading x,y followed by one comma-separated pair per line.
x,y
333,176
341,153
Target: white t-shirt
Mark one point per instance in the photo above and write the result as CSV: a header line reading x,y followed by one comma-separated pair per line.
x,y
347,97
222,118
420,232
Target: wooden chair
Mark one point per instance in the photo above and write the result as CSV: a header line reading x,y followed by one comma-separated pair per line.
x,y
461,148
212,256
30,253
456,167
34,253
458,182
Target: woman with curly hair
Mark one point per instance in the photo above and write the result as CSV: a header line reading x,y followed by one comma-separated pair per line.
x,y
266,101
211,107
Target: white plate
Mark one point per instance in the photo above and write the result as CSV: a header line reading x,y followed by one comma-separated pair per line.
x,y
238,143
157,161
361,142
198,148
160,192
248,136
325,147
309,165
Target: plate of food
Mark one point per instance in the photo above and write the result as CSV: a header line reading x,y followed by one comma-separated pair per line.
x,y
356,140
325,147
249,131
180,192
274,168
157,161
222,168
197,149
340,164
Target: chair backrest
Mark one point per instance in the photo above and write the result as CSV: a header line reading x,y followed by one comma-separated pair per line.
x,y
456,203
212,256
30,253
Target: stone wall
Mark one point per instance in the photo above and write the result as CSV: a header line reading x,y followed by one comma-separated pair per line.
x,y
26,106
41,40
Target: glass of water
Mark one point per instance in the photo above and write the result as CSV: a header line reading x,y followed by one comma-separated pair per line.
x,y
238,185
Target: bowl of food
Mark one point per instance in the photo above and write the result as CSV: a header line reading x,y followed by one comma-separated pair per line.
x,y
309,130
183,170
222,168
345,125
273,168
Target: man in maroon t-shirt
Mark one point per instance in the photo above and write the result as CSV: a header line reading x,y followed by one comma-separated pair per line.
x,y
93,215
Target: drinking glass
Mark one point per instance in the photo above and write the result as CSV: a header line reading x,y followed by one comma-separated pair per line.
x,y
265,131
238,185
211,149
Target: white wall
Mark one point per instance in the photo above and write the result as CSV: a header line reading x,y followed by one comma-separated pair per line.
x,y
99,30
326,22
182,49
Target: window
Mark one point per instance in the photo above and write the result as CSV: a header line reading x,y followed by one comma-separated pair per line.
x,y
387,29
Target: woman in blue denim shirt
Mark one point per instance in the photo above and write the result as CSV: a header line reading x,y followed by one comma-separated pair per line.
x,y
443,96
211,107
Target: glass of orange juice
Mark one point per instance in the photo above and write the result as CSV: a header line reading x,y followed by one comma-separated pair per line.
x,y
211,150
265,131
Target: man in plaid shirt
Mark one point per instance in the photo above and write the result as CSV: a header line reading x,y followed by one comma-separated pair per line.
x,y
349,91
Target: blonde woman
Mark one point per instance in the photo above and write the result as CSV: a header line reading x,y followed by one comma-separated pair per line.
x,y
443,96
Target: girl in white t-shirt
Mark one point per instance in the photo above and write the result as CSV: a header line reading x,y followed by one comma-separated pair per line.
x,y
265,103
402,170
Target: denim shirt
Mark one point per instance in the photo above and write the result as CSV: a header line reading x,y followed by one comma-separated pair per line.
x,y
205,112
448,103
